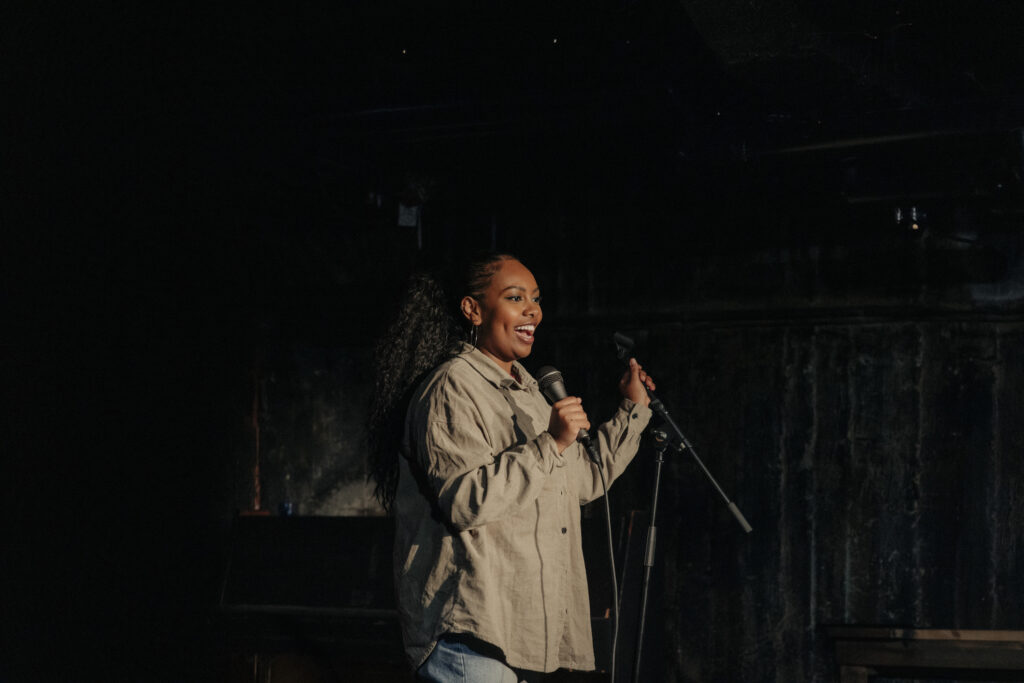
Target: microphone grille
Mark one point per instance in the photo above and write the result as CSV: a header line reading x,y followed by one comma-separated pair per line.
x,y
547,376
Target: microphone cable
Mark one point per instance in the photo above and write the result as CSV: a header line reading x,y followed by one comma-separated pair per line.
x,y
615,580
553,387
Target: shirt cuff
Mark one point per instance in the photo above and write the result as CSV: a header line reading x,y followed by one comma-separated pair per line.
x,y
547,452
636,411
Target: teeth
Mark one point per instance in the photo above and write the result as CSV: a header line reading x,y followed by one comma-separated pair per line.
x,y
526,328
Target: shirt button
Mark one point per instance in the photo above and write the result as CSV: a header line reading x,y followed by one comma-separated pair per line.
x,y
563,529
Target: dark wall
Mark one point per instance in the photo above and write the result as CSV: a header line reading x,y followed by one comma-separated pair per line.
x,y
855,392
195,255
877,462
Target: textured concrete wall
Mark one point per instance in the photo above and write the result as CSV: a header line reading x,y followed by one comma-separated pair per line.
x,y
313,406
880,465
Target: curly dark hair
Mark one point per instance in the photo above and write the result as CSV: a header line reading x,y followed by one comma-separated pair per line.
x,y
426,332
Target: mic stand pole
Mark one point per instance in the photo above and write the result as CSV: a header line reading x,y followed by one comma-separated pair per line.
x,y
623,346
660,443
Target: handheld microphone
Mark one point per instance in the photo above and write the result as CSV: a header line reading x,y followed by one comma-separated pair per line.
x,y
553,387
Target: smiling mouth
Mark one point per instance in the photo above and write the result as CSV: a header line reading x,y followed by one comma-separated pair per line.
x,y
525,333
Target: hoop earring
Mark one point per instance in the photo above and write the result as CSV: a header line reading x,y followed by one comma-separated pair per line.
x,y
474,334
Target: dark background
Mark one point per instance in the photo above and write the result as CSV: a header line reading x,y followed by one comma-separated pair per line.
x,y
200,236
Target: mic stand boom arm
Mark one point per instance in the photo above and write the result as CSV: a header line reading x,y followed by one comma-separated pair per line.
x,y
659,408
623,345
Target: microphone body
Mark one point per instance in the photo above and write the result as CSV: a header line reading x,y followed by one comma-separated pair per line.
x,y
553,387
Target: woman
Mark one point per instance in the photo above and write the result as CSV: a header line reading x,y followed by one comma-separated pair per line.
x,y
486,481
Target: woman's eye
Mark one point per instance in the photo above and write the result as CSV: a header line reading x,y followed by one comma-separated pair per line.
x,y
536,299
515,297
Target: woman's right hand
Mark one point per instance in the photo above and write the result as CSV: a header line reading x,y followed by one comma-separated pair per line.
x,y
567,419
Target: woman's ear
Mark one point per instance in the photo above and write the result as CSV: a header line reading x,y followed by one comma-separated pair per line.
x,y
471,309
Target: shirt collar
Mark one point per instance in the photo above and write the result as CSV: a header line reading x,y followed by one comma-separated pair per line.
x,y
490,370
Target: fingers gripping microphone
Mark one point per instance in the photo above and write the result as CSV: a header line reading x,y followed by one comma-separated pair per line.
x,y
553,387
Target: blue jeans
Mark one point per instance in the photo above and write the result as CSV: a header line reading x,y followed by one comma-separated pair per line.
x,y
453,661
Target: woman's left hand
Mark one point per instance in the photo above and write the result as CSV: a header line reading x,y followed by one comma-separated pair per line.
x,y
635,383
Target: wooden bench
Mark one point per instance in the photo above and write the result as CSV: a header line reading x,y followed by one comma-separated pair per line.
x,y
863,652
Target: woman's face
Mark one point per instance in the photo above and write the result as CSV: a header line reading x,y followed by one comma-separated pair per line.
x,y
508,314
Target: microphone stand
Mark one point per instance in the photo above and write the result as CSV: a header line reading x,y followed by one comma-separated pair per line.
x,y
660,443
623,346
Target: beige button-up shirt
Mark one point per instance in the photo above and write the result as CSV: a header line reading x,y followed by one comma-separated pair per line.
x,y
488,518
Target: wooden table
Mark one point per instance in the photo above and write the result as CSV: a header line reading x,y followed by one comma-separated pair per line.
x,y
864,652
